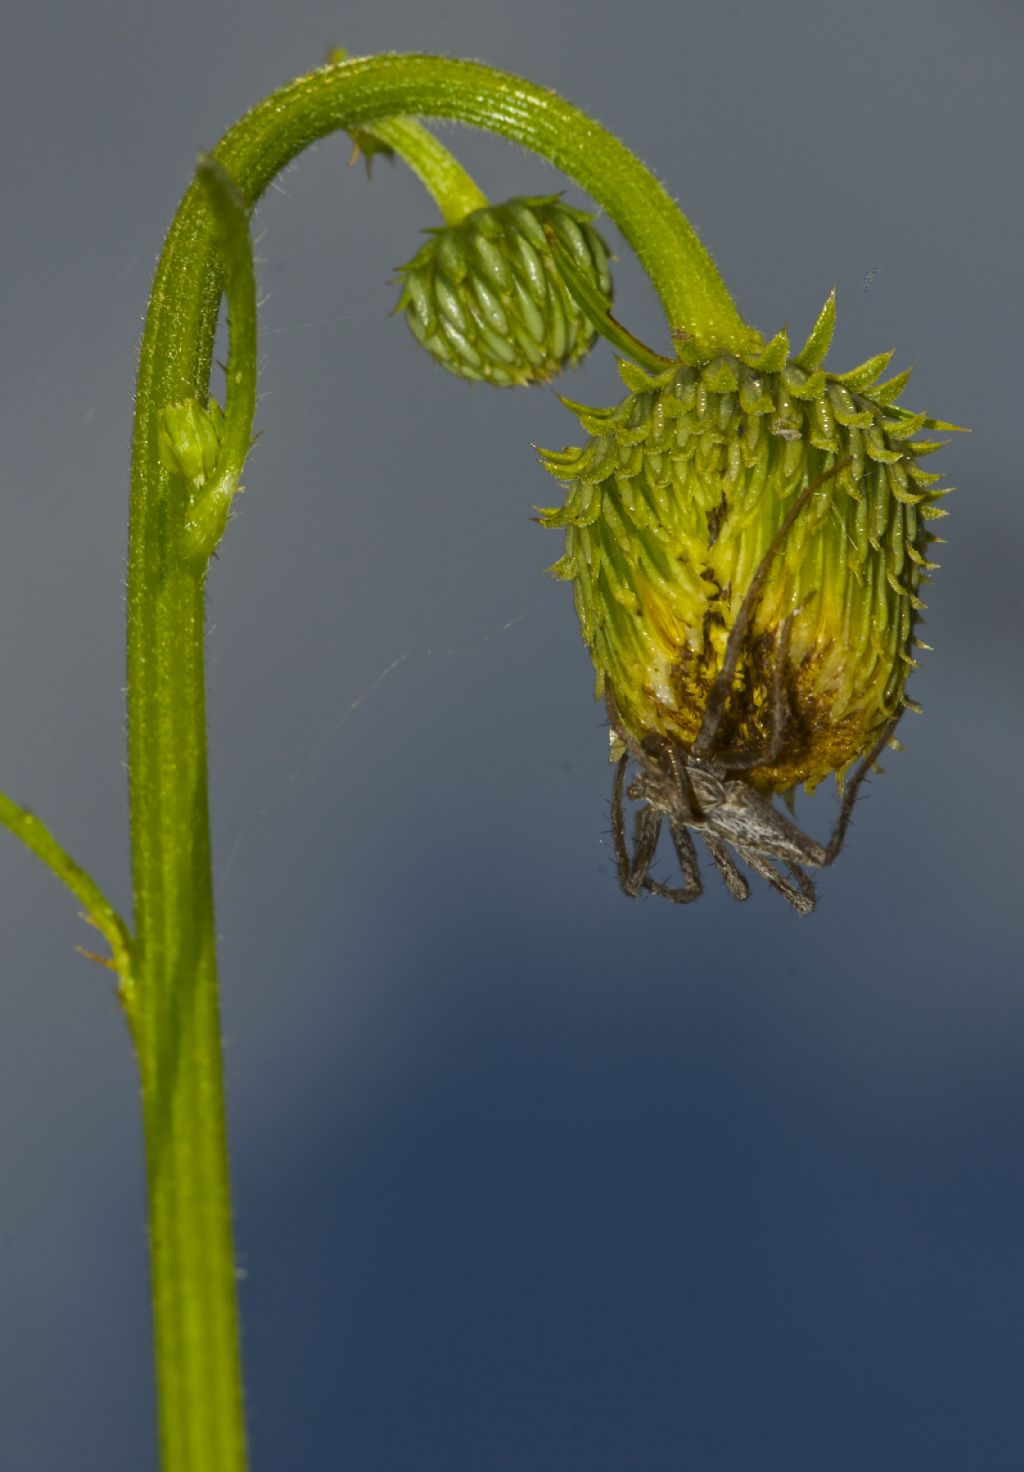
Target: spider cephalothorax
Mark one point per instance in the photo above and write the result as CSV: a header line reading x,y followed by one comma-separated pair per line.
x,y
708,789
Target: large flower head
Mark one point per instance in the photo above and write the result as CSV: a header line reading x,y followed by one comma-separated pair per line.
x,y
672,504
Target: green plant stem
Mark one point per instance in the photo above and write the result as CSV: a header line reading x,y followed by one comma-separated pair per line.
x,y
36,837
177,1030
177,1023
449,185
209,511
364,91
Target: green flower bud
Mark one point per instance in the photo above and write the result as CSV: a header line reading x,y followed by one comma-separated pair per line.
x,y
486,298
188,440
671,506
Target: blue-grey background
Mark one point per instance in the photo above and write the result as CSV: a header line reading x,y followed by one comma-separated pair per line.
x,y
528,1176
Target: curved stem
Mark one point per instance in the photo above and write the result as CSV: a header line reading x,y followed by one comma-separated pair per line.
x,y
177,1021
452,189
177,1029
210,506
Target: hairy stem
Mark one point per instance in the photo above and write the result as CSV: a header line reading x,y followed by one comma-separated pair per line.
x,y
177,1029
449,185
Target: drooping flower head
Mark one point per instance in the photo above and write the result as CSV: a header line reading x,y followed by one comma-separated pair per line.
x,y
672,503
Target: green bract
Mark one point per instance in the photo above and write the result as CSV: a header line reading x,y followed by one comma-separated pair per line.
x,y
672,503
486,299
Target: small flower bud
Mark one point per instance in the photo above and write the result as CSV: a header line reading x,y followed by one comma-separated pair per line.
x,y
188,440
486,298
671,506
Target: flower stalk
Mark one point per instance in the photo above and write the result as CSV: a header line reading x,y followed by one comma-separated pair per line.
x,y
201,1417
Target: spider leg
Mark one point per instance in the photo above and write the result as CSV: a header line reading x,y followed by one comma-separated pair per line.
x,y
686,853
633,868
780,695
684,806
618,824
616,724
835,843
692,887
799,890
718,697
734,880
768,754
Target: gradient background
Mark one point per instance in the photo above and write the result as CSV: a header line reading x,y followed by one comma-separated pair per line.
x,y
528,1176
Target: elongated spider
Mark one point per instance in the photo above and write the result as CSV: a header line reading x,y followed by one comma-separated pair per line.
x,y
701,788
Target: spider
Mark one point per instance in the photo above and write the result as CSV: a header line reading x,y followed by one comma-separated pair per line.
x,y
701,788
